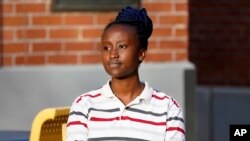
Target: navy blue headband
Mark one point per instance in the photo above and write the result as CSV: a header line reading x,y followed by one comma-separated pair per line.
x,y
137,16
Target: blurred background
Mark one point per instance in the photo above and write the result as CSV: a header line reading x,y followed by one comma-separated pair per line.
x,y
48,47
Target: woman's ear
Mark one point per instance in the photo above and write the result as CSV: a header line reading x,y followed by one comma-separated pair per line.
x,y
142,54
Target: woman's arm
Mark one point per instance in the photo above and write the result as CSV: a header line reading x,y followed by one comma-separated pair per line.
x,y
175,123
77,129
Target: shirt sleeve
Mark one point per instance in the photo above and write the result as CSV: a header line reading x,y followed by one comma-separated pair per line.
x,y
77,129
175,123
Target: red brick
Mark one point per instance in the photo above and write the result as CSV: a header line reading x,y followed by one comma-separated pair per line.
x,y
8,35
9,48
173,44
31,33
7,8
156,57
174,19
15,20
7,61
78,19
162,32
158,7
105,18
61,26
92,33
47,20
47,47
181,7
64,33
152,44
181,56
181,32
79,46
35,60
30,7
20,60
153,17
62,59
90,59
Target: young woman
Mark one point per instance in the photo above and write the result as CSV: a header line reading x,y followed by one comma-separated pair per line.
x,y
125,109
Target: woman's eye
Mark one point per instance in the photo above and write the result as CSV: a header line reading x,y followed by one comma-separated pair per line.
x,y
122,46
106,48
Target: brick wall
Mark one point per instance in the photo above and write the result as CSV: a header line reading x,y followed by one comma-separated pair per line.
x,y
34,35
219,33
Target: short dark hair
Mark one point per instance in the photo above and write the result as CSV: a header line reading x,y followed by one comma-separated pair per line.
x,y
137,18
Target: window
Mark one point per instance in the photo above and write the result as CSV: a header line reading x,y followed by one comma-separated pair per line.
x,y
92,5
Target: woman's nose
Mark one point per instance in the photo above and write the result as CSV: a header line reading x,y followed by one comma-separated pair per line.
x,y
114,53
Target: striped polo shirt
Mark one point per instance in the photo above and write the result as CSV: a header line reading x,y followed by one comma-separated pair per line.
x,y
99,115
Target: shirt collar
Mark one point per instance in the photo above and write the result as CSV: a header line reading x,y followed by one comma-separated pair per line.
x,y
145,95
107,91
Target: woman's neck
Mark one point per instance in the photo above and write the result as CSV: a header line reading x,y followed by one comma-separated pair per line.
x,y
126,89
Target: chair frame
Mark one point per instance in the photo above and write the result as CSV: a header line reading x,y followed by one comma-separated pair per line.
x,y
45,115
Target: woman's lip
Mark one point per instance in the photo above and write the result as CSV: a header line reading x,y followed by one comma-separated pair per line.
x,y
114,64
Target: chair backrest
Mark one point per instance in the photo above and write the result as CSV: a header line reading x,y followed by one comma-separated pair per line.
x,y
48,124
64,126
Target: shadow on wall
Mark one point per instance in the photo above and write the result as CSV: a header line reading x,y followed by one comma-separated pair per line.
x,y
219,107
219,35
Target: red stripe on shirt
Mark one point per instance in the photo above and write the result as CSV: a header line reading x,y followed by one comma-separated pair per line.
x,y
175,103
128,118
143,121
176,129
92,96
103,119
77,123
160,98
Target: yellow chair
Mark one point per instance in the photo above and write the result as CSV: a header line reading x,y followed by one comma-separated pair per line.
x,y
64,126
50,124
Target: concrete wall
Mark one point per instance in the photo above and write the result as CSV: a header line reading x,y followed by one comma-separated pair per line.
x,y
25,91
218,107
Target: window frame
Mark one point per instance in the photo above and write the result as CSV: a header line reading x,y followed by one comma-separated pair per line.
x,y
92,5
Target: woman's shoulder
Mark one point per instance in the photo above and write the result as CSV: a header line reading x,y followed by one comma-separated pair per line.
x,y
165,97
88,95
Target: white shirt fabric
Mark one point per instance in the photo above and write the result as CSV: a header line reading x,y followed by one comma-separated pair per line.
x,y
99,115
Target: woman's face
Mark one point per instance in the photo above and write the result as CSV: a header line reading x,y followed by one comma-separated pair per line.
x,y
121,53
